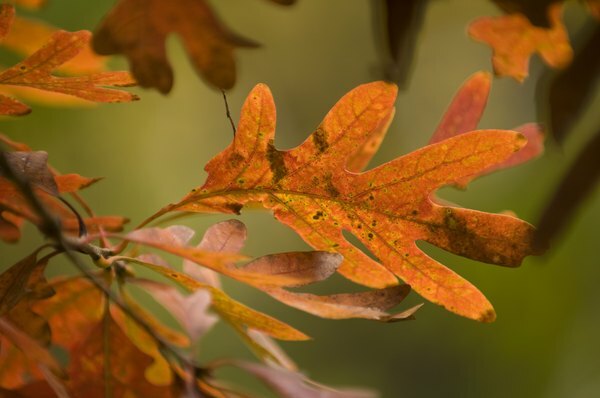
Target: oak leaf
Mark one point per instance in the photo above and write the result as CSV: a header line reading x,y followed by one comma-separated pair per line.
x,y
36,71
387,208
138,29
514,39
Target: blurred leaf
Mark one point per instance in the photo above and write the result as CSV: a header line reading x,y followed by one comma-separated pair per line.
x,y
35,71
288,384
33,4
107,363
26,36
309,190
33,352
191,311
403,21
239,315
564,96
578,184
514,39
226,237
109,355
14,280
33,168
15,207
138,30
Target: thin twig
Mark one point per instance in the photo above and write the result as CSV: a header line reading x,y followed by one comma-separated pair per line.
x,y
51,227
227,112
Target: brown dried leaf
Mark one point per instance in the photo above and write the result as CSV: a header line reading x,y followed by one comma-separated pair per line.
x,y
32,167
139,29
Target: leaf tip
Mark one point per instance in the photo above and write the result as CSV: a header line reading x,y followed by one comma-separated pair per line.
x,y
487,316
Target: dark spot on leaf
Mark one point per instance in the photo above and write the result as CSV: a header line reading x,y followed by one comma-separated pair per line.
x,y
320,140
370,235
331,189
235,159
374,223
234,207
414,212
276,162
318,215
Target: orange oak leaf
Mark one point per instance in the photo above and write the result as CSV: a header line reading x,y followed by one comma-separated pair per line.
x,y
387,208
36,71
514,39
138,29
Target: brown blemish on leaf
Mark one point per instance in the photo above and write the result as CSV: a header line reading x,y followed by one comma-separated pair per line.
x,y
319,138
276,163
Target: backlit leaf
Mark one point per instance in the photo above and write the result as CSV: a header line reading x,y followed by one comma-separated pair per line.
x,y
239,315
388,208
227,237
290,384
189,310
514,39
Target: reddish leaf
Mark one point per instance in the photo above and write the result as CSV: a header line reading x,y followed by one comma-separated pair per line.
x,y
69,183
367,305
226,237
190,311
464,113
387,208
291,269
514,39
237,314
139,29
10,227
290,384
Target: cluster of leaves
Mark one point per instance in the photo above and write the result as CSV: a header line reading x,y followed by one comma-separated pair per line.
x,y
528,27
116,347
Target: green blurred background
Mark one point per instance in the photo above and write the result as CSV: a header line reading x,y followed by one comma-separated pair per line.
x,y
545,340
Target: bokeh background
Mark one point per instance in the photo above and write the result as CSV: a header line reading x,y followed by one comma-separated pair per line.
x,y
545,340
